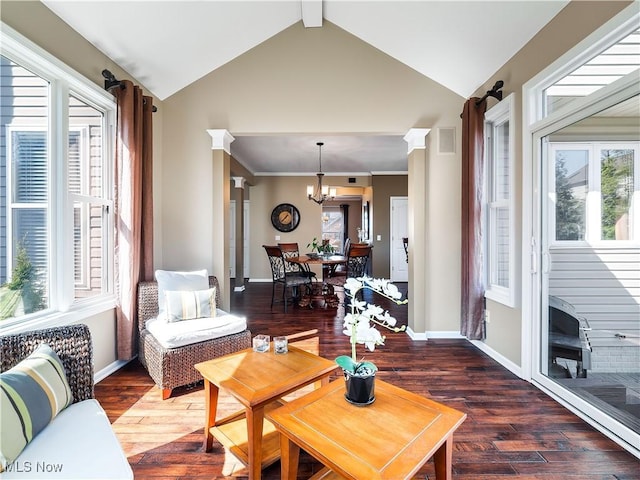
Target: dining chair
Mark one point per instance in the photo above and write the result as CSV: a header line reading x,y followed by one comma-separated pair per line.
x,y
356,265
279,274
290,250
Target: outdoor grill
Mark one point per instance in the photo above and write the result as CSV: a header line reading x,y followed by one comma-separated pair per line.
x,y
567,338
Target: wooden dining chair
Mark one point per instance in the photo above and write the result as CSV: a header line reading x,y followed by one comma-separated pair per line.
x,y
280,275
290,250
356,265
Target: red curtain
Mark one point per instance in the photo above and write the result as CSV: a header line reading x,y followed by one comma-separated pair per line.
x,y
472,285
133,209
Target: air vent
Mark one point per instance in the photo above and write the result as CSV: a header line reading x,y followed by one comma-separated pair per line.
x,y
352,179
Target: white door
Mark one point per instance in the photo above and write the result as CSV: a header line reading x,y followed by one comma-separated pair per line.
x,y
399,220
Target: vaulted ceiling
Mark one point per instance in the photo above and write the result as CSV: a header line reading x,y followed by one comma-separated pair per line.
x,y
167,45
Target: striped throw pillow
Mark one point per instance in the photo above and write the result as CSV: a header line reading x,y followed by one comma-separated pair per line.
x,y
31,394
188,305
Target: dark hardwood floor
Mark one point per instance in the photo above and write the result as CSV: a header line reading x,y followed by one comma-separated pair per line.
x,y
512,428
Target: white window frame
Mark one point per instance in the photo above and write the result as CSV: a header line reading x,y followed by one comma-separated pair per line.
x,y
501,113
593,218
63,82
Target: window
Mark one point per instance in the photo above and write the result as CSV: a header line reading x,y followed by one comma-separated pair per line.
x,y
333,227
55,191
499,210
596,190
605,68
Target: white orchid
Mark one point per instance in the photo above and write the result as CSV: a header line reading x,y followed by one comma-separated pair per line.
x,y
360,324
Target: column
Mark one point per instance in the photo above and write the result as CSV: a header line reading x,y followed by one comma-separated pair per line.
x,y
220,185
238,196
417,232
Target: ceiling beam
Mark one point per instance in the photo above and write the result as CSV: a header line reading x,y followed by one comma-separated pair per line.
x,y
311,13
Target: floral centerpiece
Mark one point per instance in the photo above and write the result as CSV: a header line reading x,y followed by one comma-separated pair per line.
x,y
361,323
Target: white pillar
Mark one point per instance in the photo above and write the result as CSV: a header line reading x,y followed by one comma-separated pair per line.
x,y
220,185
417,231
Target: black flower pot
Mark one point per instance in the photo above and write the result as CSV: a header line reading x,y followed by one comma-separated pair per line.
x,y
360,389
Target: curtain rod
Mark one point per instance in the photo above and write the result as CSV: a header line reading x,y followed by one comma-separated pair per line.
x,y
494,92
110,81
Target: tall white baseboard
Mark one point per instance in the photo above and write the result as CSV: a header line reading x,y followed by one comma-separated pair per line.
x,y
435,334
498,357
108,370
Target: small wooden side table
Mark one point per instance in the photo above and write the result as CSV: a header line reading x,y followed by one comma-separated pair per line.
x,y
256,380
390,439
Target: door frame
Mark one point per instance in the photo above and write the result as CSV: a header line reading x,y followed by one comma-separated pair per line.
x,y
534,255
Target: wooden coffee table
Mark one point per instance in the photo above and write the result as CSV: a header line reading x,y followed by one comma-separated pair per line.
x,y
390,439
256,380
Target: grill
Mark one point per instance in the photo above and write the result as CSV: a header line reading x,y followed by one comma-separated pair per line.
x,y
567,339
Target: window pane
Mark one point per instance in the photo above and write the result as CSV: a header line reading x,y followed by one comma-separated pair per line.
x,y
572,182
607,67
24,190
332,227
86,178
501,162
500,246
616,183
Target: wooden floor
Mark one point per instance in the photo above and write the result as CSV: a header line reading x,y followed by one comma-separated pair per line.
x,y
512,430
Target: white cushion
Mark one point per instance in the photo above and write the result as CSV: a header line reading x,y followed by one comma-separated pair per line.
x,y
170,280
78,444
186,332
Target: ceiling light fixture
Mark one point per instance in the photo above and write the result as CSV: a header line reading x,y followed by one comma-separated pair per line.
x,y
320,192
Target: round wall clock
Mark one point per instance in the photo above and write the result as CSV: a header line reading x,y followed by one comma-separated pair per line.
x,y
285,217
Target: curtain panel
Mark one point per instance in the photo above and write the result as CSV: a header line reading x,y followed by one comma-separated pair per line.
x,y
133,209
472,284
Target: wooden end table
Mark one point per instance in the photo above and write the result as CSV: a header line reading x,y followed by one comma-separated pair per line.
x,y
390,439
256,380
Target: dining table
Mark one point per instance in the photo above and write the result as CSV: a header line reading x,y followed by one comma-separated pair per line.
x,y
320,293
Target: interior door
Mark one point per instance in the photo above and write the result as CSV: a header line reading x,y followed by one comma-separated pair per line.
x,y
399,229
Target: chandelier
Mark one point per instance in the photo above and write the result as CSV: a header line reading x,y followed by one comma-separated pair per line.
x,y
320,192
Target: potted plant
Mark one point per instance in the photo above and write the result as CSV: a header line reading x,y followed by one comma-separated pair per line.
x,y
320,247
360,325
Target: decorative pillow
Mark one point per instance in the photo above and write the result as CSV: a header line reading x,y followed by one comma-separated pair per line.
x,y
31,394
187,305
179,281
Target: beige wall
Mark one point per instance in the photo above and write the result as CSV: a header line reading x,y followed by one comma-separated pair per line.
x,y
384,187
320,80
571,25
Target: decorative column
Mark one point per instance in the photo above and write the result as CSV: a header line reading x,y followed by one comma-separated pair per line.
x,y
417,232
221,189
238,196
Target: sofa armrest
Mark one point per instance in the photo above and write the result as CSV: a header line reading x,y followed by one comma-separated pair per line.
x,y
148,299
73,345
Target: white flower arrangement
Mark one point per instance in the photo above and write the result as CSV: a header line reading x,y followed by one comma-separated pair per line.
x,y
361,322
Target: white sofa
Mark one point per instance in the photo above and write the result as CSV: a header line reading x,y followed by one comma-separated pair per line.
x,y
79,443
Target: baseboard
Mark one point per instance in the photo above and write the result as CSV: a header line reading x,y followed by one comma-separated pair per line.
x,y
108,370
434,334
498,357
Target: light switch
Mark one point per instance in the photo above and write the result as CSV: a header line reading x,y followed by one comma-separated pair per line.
x,y
277,237
379,238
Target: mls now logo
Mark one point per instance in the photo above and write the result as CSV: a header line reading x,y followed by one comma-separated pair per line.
x,y
39,467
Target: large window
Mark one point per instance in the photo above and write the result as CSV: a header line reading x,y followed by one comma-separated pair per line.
x,y
499,212
596,190
55,186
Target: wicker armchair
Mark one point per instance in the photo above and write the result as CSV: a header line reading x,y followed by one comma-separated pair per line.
x,y
173,367
72,343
